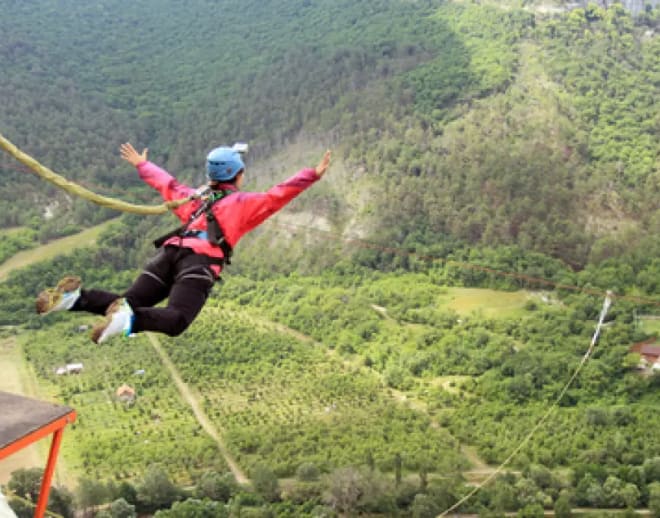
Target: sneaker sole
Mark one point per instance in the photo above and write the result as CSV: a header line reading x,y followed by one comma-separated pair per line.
x,y
100,327
49,298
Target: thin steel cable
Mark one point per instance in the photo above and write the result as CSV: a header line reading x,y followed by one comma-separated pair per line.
x,y
606,306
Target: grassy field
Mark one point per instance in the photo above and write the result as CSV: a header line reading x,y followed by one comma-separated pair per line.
x,y
9,232
651,326
488,303
53,249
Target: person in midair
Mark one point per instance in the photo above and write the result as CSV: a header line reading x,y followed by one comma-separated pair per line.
x,y
191,258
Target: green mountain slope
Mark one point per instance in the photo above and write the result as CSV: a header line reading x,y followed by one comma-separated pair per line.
x,y
479,124
485,134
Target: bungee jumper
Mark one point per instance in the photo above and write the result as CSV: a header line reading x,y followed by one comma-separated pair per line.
x,y
191,257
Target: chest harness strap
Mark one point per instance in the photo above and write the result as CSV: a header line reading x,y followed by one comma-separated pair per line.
x,y
214,233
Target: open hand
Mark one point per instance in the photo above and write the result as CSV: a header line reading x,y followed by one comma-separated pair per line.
x,y
129,154
323,164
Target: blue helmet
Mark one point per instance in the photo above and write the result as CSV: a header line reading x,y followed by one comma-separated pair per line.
x,y
223,164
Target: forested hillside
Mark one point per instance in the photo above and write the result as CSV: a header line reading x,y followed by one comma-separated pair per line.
x,y
452,122
391,337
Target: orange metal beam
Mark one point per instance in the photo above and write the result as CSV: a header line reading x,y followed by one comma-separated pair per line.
x,y
21,443
44,493
57,429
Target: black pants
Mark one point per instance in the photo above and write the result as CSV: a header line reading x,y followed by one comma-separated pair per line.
x,y
177,273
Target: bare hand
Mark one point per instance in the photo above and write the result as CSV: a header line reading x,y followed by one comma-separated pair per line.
x,y
129,154
323,164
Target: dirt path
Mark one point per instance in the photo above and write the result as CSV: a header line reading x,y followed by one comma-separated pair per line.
x,y
50,250
193,400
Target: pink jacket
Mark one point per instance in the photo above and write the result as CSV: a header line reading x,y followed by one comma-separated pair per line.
x,y
237,213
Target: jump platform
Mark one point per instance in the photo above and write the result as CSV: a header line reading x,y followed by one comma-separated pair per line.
x,y
23,421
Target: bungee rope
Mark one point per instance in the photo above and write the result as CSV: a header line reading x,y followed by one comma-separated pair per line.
x,y
606,306
77,190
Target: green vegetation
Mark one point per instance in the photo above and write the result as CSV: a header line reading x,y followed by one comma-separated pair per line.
x,y
286,403
486,125
112,438
371,378
499,166
651,326
15,240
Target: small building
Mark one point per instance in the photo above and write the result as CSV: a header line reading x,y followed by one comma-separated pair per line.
x,y
649,352
125,394
69,368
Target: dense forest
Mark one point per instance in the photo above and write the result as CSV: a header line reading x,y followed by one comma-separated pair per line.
x,y
504,152
451,121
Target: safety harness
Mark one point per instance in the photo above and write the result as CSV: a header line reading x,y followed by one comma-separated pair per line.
x,y
213,234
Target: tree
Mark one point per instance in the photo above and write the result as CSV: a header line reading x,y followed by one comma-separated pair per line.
x,y
652,469
630,494
654,499
425,506
619,494
91,493
562,507
127,491
120,508
351,489
398,464
265,483
503,496
589,491
531,511
157,490
215,486
193,508
541,476
528,492
344,489
22,508
60,501
26,482
308,472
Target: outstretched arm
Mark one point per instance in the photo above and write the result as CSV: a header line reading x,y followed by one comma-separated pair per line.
x,y
323,164
129,154
252,208
168,186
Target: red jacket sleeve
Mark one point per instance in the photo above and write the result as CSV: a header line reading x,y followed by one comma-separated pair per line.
x,y
168,187
243,211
